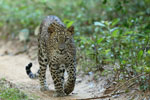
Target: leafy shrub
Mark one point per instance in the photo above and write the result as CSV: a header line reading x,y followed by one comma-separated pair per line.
x,y
7,92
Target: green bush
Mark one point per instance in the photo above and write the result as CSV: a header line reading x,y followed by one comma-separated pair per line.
x,y
7,92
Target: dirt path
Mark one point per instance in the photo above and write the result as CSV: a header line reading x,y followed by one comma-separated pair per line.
x,y
12,67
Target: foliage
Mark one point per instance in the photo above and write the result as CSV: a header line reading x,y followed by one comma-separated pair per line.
x,y
9,93
108,32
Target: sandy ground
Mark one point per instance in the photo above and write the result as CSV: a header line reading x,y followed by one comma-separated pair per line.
x,y
12,68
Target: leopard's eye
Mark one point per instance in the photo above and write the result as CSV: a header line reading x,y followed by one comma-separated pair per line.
x,y
66,39
55,39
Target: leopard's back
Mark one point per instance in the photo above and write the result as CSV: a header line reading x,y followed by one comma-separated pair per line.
x,y
46,23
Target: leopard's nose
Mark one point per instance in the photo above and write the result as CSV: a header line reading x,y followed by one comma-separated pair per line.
x,y
61,50
61,47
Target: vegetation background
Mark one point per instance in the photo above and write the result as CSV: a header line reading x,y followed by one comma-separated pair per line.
x,y
107,32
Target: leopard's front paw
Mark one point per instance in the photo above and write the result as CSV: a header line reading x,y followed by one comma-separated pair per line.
x,y
44,88
59,94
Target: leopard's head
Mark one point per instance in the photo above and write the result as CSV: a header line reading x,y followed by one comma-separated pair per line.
x,y
61,37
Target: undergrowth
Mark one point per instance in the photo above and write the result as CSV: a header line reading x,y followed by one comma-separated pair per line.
x,y
8,92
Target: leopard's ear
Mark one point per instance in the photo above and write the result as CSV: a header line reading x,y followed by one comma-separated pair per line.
x,y
71,29
54,27
51,28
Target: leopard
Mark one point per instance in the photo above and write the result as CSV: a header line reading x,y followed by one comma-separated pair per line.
x,y
56,50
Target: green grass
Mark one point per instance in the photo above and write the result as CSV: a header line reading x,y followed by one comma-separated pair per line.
x,y
9,92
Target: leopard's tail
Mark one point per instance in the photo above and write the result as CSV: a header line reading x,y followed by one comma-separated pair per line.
x,y
29,72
